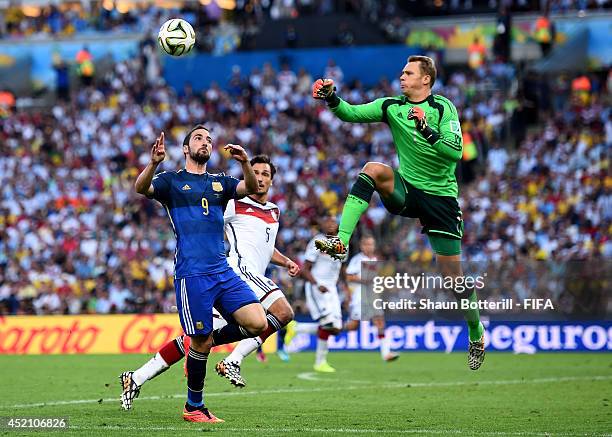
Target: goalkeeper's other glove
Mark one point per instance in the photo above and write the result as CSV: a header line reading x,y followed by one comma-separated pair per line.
x,y
418,115
324,89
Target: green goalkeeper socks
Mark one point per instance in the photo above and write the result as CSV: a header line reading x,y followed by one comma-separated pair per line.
x,y
356,204
472,317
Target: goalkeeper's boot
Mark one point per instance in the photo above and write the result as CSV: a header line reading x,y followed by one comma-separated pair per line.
x,y
130,390
290,333
231,371
332,246
392,356
324,367
476,353
200,415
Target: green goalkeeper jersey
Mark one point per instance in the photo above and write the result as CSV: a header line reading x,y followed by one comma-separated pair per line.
x,y
429,167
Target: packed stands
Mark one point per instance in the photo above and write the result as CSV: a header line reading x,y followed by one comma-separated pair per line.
x,y
75,237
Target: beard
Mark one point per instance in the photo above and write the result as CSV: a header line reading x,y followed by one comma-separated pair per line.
x,y
200,157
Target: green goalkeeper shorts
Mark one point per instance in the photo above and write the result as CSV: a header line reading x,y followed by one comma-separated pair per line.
x,y
440,216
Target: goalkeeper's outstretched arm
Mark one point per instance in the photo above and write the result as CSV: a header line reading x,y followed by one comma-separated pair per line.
x,y
324,89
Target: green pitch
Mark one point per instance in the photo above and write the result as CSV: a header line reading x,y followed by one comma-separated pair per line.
x,y
421,394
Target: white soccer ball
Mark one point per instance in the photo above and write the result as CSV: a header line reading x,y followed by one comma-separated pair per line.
x,y
176,37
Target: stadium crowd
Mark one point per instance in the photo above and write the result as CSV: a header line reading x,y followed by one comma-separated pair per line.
x,y
240,21
215,34
219,30
75,237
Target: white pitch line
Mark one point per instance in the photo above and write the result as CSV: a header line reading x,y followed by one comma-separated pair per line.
x,y
314,376
220,427
326,389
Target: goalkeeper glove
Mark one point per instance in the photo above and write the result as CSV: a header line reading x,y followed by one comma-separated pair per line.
x,y
324,89
418,115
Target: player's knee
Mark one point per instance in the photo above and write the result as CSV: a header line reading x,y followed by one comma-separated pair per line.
x,y
330,329
449,265
372,169
352,325
283,313
201,343
377,171
257,323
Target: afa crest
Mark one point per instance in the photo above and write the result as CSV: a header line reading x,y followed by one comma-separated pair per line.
x,y
216,186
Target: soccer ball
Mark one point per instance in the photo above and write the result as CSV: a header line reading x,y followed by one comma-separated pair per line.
x,y
176,37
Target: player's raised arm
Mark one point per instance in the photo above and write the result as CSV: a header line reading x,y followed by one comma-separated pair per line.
x,y
284,261
143,181
324,89
249,184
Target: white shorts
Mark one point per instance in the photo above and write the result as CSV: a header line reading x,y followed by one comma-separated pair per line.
x,y
355,306
264,288
218,320
324,307
367,311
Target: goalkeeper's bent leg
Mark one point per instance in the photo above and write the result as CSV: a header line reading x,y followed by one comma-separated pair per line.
x,y
356,204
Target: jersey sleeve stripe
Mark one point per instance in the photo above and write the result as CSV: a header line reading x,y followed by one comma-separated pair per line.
x,y
235,247
175,236
434,104
386,105
444,101
454,143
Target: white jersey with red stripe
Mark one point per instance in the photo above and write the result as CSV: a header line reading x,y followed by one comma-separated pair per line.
x,y
251,229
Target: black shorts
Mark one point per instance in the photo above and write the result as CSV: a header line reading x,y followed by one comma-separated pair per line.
x,y
439,215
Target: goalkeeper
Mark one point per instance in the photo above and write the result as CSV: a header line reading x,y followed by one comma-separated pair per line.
x,y
427,136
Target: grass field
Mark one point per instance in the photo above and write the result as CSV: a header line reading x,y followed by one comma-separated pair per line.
x,y
421,394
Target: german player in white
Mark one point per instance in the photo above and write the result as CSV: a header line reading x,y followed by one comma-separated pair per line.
x,y
361,305
251,225
321,273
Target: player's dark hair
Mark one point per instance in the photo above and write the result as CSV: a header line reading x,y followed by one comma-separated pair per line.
x,y
264,159
188,137
427,66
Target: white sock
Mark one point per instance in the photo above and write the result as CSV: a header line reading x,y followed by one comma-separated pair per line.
x,y
307,328
385,347
150,369
322,348
242,349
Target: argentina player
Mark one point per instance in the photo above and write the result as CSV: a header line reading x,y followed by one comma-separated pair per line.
x,y
195,201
